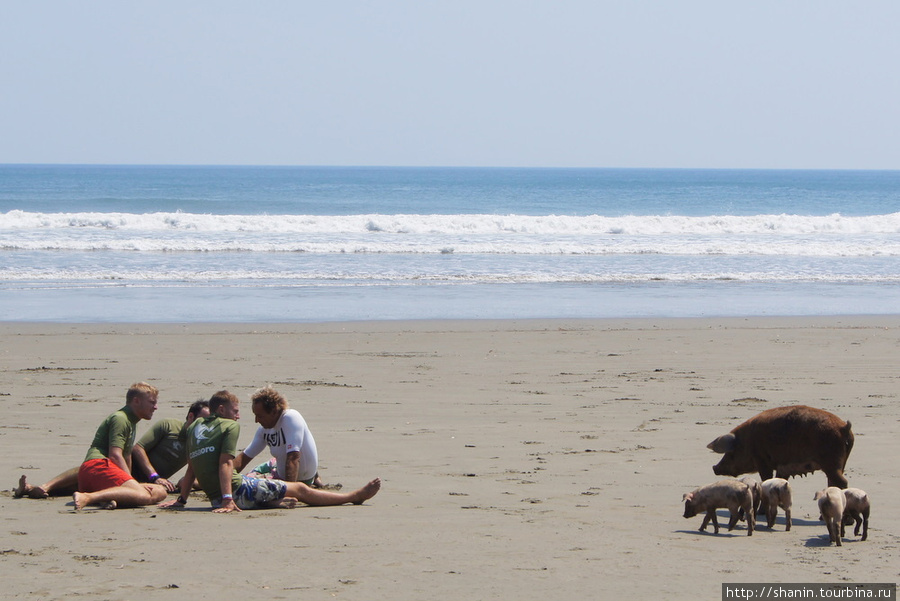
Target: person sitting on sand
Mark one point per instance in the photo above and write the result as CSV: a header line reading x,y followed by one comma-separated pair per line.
x,y
162,450
212,446
295,458
105,476
156,457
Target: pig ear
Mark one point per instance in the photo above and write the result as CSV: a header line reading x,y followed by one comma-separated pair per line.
x,y
687,496
722,444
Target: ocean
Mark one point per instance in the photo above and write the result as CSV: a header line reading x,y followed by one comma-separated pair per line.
x,y
311,244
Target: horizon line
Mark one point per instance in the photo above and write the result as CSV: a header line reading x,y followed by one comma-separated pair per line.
x,y
447,167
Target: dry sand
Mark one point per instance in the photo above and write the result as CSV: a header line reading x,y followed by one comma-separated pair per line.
x,y
520,459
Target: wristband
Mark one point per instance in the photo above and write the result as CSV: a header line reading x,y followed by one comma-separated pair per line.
x,y
181,500
227,497
154,477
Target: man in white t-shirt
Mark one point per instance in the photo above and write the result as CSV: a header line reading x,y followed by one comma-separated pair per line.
x,y
286,434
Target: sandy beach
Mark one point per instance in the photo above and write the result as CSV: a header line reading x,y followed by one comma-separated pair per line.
x,y
520,459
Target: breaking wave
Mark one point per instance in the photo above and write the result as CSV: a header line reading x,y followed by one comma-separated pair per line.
x,y
826,235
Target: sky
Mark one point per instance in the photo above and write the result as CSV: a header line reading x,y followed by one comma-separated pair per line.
x,y
580,83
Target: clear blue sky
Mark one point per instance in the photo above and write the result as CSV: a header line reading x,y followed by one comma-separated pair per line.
x,y
593,83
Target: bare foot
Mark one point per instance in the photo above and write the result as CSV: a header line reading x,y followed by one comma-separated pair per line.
x,y
32,492
37,492
81,500
288,503
111,505
22,489
368,491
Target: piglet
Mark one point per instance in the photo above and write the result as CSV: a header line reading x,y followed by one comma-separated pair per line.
x,y
856,508
776,492
831,506
733,495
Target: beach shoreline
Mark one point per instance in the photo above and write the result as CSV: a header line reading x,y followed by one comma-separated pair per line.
x,y
527,458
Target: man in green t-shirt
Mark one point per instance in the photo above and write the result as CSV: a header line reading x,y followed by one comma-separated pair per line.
x,y
157,456
162,450
212,446
104,477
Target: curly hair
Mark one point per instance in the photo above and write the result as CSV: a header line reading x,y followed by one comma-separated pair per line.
x,y
271,400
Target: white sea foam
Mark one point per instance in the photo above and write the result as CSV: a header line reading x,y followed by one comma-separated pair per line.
x,y
796,235
86,244
100,277
456,224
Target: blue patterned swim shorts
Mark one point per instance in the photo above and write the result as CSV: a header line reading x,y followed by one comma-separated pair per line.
x,y
254,493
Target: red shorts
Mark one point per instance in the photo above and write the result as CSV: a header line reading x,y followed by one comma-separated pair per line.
x,y
99,474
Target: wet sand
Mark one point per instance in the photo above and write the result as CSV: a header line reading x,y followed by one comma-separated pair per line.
x,y
520,459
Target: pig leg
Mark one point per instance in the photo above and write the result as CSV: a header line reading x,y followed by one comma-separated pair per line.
x,y
834,531
710,517
836,478
771,511
751,520
735,514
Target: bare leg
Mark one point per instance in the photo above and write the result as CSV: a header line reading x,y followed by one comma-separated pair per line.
x,y
130,494
319,483
316,496
62,485
194,486
285,503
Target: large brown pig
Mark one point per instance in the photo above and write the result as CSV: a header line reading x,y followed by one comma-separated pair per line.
x,y
785,442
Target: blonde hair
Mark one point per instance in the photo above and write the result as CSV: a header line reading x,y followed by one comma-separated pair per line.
x,y
140,389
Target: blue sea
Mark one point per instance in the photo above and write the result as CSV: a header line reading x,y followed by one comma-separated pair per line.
x,y
310,244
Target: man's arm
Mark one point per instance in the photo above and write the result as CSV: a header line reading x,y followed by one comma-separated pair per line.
x,y
241,461
292,469
149,440
117,456
226,469
187,483
300,456
141,461
252,450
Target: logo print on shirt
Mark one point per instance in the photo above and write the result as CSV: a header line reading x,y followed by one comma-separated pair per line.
x,y
202,432
275,439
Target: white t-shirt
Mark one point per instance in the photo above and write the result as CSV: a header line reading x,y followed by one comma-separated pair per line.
x,y
289,434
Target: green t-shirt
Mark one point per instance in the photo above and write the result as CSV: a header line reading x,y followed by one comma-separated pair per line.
x,y
117,430
207,439
165,445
